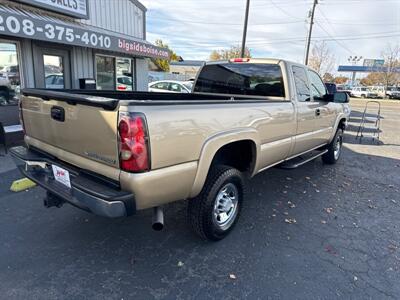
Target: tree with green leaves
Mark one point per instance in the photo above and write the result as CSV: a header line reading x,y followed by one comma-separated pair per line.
x,y
163,64
226,54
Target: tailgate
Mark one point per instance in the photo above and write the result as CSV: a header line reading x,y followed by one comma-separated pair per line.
x,y
73,124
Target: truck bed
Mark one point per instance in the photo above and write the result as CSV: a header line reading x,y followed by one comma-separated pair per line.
x,y
109,100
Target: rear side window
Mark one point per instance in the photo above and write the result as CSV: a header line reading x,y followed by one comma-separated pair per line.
x,y
241,79
302,83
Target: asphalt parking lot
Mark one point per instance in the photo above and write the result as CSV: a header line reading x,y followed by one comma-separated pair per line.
x,y
314,232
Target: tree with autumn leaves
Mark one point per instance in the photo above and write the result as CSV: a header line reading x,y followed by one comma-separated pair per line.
x,y
390,75
226,54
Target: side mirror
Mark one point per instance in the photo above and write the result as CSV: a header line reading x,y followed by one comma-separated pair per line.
x,y
341,97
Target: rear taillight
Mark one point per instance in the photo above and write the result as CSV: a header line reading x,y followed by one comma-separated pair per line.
x,y
133,142
21,116
121,88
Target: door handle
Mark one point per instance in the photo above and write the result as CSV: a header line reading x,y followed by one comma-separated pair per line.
x,y
317,112
58,113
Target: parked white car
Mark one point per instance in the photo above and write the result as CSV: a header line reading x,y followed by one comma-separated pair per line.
x,y
54,81
393,92
379,90
167,86
362,92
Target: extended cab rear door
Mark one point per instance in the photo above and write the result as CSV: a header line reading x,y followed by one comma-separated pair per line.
x,y
307,110
325,111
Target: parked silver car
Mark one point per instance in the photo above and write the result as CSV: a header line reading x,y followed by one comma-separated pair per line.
x,y
169,86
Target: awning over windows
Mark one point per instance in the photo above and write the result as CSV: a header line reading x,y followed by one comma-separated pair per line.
x,y
24,23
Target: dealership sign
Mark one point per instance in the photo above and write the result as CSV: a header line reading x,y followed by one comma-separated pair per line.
x,y
373,62
74,8
71,34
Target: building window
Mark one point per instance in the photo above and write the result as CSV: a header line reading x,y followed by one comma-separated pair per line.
x,y
53,72
10,80
105,72
124,74
114,73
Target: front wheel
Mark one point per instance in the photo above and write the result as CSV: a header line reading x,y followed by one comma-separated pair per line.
x,y
215,211
334,149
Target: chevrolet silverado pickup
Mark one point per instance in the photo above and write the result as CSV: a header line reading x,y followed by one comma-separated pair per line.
x,y
115,153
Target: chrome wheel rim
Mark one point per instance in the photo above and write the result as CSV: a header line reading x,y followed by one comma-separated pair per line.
x,y
338,146
226,206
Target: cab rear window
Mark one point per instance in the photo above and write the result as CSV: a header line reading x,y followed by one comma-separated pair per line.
x,y
241,79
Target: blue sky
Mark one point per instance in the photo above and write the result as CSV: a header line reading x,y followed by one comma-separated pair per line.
x,y
277,28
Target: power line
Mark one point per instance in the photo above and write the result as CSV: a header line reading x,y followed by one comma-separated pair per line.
x,y
283,11
226,24
289,39
333,30
338,22
298,42
334,39
360,2
196,45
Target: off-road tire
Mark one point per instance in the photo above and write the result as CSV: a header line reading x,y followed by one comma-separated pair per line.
x,y
201,208
330,157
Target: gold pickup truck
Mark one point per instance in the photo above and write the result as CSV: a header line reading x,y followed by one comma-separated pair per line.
x,y
113,153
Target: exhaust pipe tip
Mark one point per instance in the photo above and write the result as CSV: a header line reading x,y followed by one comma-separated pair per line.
x,y
158,219
157,226
52,200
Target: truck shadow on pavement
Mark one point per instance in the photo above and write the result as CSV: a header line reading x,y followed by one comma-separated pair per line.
x,y
336,220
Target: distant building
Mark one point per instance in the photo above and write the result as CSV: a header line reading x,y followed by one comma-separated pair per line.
x,y
188,68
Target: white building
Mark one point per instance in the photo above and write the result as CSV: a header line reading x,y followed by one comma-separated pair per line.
x,y
57,43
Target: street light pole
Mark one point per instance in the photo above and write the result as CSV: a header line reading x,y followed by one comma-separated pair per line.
x,y
246,21
310,31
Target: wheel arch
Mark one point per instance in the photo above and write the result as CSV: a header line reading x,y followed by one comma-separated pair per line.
x,y
341,122
215,148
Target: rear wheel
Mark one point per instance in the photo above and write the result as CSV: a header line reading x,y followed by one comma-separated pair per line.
x,y
334,149
215,211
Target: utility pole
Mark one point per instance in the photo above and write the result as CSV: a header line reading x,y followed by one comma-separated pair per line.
x,y
310,30
246,21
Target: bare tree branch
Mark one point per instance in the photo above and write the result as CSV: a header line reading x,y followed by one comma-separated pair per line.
x,y
321,60
391,55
